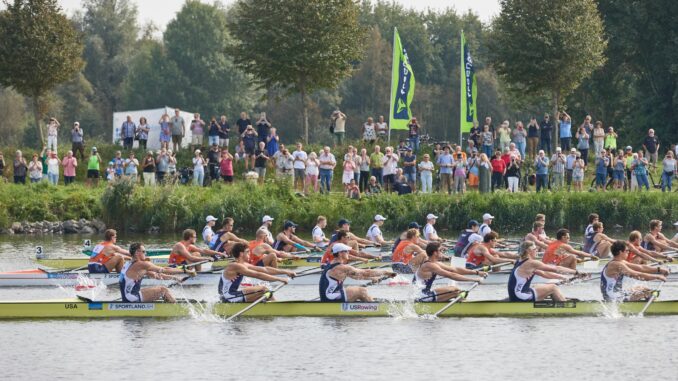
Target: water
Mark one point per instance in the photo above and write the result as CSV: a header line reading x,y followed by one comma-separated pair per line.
x,y
401,347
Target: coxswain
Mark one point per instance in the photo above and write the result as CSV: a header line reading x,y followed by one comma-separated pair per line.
x,y
485,228
183,251
612,276
484,254
286,240
537,236
232,276
139,267
638,254
588,232
354,241
263,255
462,244
408,249
224,238
560,253
318,234
207,232
354,255
520,288
266,223
655,240
374,232
331,285
107,256
432,268
430,233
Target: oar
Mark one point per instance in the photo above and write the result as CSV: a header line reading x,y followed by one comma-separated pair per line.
x,y
266,296
462,295
320,269
490,268
179,281
655,294
197,263
378,280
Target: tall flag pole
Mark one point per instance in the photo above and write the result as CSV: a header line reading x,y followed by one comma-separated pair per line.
x,y
402,87
469,90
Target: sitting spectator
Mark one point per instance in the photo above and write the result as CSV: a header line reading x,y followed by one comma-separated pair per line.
x,y
148,169
53,164
132,167
312,171
70,163
352,190
373,186
35,169
110,172
94,163
226,166
240,153
401,185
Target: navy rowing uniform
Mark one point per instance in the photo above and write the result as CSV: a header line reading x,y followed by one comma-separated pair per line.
x,y
428,295
97,268
130,289
611,288
519,288
229,291
331,290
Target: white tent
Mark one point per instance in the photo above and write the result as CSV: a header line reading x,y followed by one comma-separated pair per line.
x,y
153,117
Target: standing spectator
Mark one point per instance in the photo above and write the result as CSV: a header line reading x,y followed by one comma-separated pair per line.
x,y
213,161
445,163
274,160
263,125
358,161
513,174
127,132
376,166
327,164
249,140
413,134
402,148
224,131
300,157
178,130
382,131
598,138
474,134
469,149
110,172
520,138
213,132
53,164
569,167
312,165
498,170
488,123
35,169
369,131
611,140
410,169
390,164
44,156
364,167
143,129
162,165
532,137
93,166
172,167
506,157
118,162
242,123
260,159
70,163
541,164
504,133
197,129
669,170
639,167
20,168
472,165
565,131
545,128
558,161
349,168
131,167
338,123
484,174
226,166
628,163
52,133
426,174
165,132
285,165
618,166
148,169
198,169
459,172
487,137
77,141
583,142
458,150
272,141
651,147
601,163
578,172
513,150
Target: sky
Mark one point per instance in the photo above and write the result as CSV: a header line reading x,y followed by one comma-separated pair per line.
x,y
161,11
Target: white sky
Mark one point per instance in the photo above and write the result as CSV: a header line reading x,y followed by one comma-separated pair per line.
x,y
161,11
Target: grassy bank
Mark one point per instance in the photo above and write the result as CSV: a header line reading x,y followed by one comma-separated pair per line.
x,y
173,208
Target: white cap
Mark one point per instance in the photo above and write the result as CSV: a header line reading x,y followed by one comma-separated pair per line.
x,y
675,223
488,216
379,217
266,218
339,247
475,238
210,218
431,216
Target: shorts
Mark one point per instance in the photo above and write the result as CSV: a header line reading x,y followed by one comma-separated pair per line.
x,y
249,150
97,268
600,179
227,179
473,180
520,296
213,140
260,263
237,297
92,174
411,177
401,268
428,296
555,261
472,266
299,173
618,175
197,139
177,138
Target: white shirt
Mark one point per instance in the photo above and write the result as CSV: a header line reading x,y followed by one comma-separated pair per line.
x,y
300,158
381,127
53,166
373,232
318,236
198,164
207,234
269,236
425,166
390,164
327,158
484,230
312,168
428,231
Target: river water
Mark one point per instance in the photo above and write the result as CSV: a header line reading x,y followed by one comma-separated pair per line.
x,y
398,348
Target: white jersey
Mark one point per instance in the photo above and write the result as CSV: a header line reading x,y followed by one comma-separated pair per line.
x,y
207,234
373,233
484,230
429,231
269,236
318,236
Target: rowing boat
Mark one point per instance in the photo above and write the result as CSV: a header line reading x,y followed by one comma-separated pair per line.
x,y
152,252
78,308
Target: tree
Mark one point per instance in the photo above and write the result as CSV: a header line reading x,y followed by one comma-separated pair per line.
x,y
547,47
298,46
39,49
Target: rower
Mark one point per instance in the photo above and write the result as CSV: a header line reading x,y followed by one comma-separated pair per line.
x,y
588,232
412,225
638,254
612,276
207,232
286,240
139,267
484,254
542,218
537,236
183,251
485,228
655,240
331,285
266,223
430,233
675,237
560,253
263,255
224,239
520,288
601,242
317,233
374,232
107,256
462,245
232,276
406,251
354,255
431,268
354,241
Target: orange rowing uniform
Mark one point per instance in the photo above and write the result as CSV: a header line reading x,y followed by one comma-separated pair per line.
x,y
328,257
256,260
631,256
476,260
176,259
98,255
551,257
399,254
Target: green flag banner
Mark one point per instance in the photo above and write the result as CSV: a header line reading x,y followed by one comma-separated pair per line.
x,y
469,89
402,86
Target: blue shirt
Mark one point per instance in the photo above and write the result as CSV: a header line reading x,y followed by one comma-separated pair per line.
x,y
565,129
601,165
128,129
409,168
542,169
445,159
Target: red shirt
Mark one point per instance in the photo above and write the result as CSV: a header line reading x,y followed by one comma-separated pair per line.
x,y
226,167
507,158
498,165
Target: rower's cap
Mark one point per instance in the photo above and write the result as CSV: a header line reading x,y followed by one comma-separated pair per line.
x,y
210,218
343,222
339,247
266,218
379,217
289,224
675,223
488,216
475,238
414,225
431,216
473,223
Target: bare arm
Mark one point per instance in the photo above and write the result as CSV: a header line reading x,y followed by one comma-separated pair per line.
x,y
259,273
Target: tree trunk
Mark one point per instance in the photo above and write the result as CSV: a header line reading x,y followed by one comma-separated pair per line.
x,y
304,108
556,122
37,114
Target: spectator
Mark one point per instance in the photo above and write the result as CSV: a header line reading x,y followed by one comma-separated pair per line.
x,y
20,168
373,187
487,137
611,140
148,169
338,123
198,169
669,170
2,166
469,149
513,150
272,141
583,142
44,156
263,125
213,133
472,165
274,160
224,131
77,141
565,131
300,157
402,148
53,164
131,167
249,139
70,163
376,166
382,131
312,165
474,134
545,128
532,137
358,161
142,131
110,172
639,167
93,166
369,131
118,162
541,164
352,190
578,172
260,158
651,147
327,164
488,123
457,150
410,169
162,165
618,166
213,161
520,138
390,163
240,151
172,167
52,133
484,174
569,167
400,184
178,130
598,138
513,174
242,123
445,163
165,132
226,166
426,174
285,165
601,163
558,161
197,130
504,133
413,134
127,133
498,170
35,169
628,163
459,171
